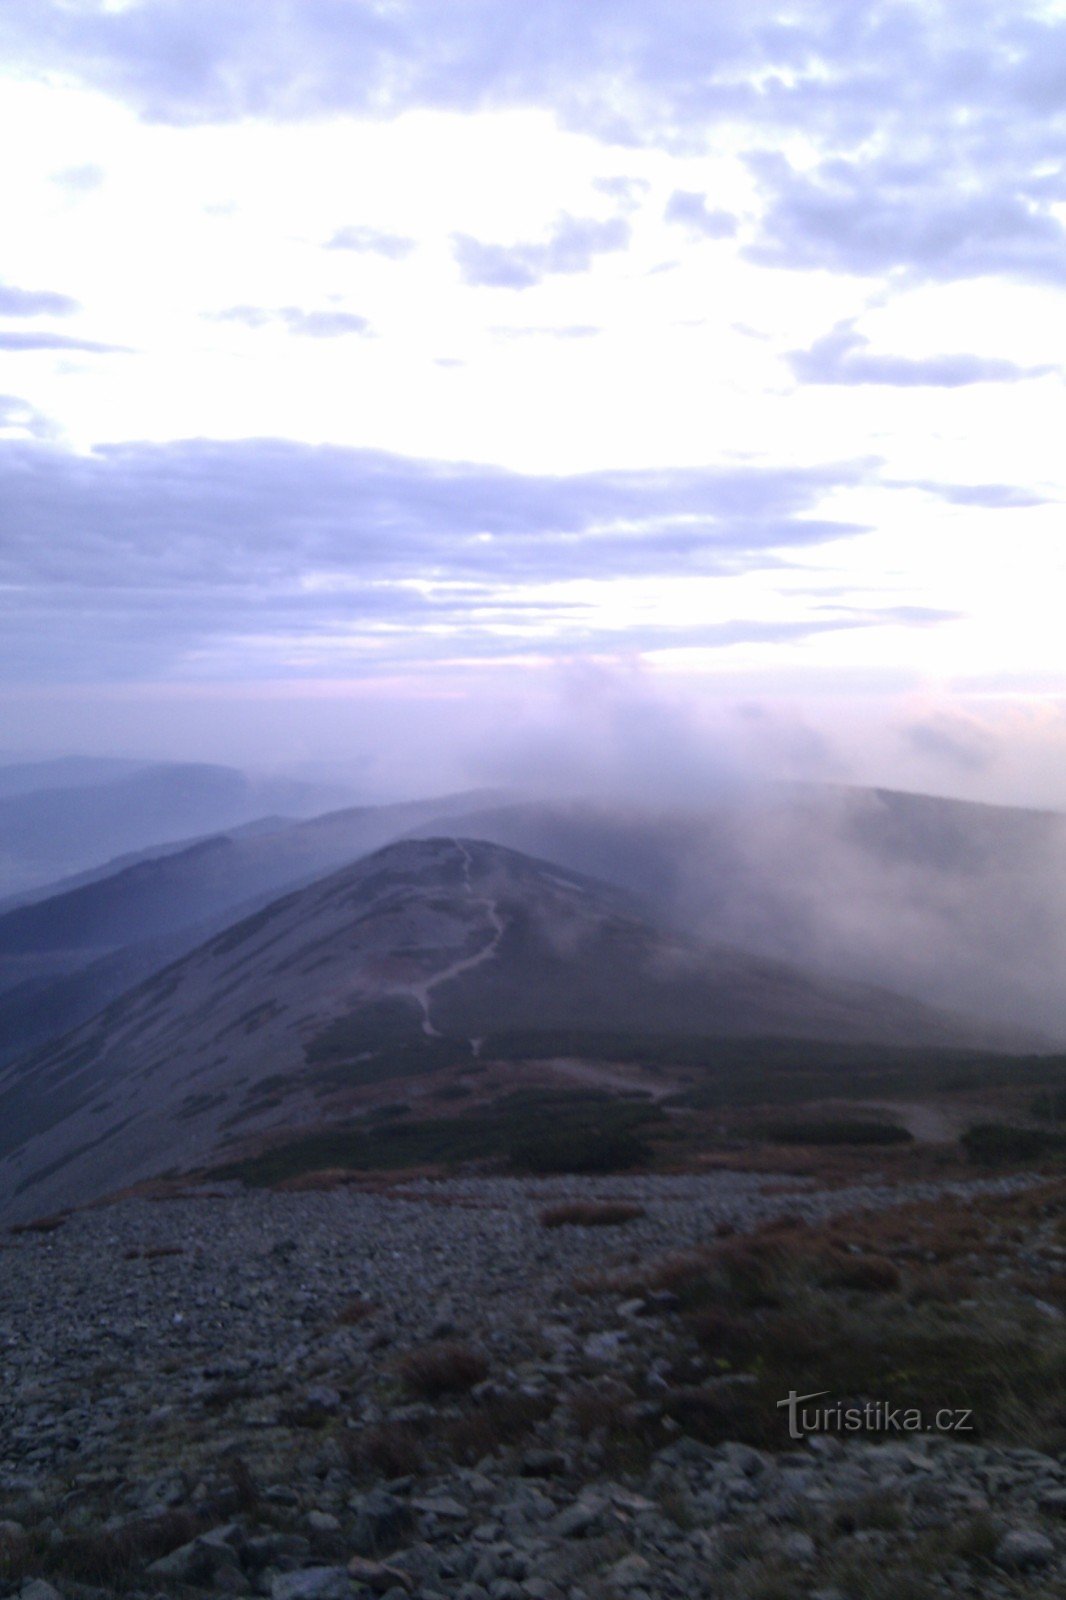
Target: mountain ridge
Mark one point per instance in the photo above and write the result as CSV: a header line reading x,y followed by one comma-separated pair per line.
x,y
399,963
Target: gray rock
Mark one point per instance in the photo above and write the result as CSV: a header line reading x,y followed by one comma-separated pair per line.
x,y
323,1522
798,1547
380,1524
1053,1502
313,1583
603,1346
194,1562
39,1589
1023,1548
630,1573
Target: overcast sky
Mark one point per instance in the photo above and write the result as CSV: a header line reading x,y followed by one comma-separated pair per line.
x,y
403,373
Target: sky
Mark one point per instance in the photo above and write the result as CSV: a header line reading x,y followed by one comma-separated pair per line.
x,y
452,388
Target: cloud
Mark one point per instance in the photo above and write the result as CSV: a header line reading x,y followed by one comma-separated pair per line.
x,y
306,324
931,131
80,180
844,356
990,496
570,247
34,303
15,341
872,216
953,739
143,556
573,330
692,212
626,191
21,416
371,241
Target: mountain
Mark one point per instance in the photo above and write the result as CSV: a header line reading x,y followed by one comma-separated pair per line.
x,y
48,832
396,967
65,956
64,772
959,904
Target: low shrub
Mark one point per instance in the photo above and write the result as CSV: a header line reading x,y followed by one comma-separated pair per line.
x,y
871,1274
578,1149
995,1144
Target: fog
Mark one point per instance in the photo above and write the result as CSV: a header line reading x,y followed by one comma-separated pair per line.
x,y
763,823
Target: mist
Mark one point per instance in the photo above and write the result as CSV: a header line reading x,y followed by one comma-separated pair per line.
x,y
910,842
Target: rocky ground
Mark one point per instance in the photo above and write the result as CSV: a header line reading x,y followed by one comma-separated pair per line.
x,y
412,1393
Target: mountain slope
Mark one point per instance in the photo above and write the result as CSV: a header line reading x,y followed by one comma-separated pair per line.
x,y
47,833
65,956
394,967
961,905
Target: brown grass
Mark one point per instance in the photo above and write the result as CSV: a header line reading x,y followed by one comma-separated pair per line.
x,y
386,1450
591,1214
928,1304
109,1558
443,1367
40,1224
480,1430
354,1310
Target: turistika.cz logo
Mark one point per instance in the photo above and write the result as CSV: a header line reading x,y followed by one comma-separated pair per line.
x,y
871,1416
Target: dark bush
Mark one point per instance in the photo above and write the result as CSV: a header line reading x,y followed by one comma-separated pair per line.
x,y
994,1144
579,1149
871,1274
840,1132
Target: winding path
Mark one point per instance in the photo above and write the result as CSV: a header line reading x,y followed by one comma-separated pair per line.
x,y
421,991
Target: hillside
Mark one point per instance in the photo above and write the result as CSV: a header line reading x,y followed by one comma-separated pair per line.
x,y
961,905
66,955
395,967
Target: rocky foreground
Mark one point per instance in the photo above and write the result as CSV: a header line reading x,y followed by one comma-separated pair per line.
x,y
413,1393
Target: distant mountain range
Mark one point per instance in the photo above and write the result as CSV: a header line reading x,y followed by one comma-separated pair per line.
x,y
62,817
398,966
65,956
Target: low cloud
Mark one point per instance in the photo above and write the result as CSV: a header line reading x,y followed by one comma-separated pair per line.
x,y
20,416
570,247
371,241
573,330
873,216
953,740
16,341
305,324
692,212
35,302
843,356
80,180
143,557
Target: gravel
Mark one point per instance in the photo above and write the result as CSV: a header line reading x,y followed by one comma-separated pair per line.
x,y
148,1347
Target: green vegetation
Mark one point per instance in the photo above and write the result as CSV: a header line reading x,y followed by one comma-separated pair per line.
x,y
378,1042
1050,1106
917,1308
739,1072
569,1130
996,1144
